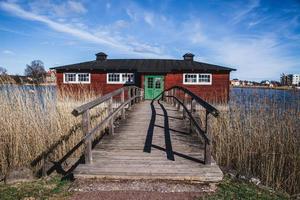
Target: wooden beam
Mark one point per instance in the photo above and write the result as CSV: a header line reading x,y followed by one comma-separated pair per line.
x,y
88,141
80,110
122,101
207,153
111,121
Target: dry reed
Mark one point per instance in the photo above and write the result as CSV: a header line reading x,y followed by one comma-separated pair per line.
x,y
259,136
32,119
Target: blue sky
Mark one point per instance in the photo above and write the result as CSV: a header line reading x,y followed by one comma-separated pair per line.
x,y
261,39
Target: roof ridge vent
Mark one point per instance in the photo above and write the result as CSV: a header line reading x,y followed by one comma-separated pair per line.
x,y
188,57
101,56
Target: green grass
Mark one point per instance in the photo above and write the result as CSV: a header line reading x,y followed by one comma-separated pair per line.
x,y
52,188
237,189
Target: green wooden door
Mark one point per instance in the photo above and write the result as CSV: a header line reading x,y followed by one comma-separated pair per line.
x,y
154,85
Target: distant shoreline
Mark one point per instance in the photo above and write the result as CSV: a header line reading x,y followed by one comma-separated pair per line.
x,y
266,87
29,84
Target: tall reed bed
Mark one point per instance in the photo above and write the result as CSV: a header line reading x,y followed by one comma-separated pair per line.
x,y
32,119
259,136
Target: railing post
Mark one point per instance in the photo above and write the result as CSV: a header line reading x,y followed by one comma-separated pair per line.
x,y
173,99
207,149
135,94
141,94
122,101
166,96
111,121
178,96
129,96
44,170
88,141
184,103
191,111
192,106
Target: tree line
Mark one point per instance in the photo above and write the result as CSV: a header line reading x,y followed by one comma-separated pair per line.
x,y
35,70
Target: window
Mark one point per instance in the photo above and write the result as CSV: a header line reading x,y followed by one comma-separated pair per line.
x,y
84,77
70,78
150,82
77,77
190,78
114,77
197,79
204,78
120,78
127,78
157,83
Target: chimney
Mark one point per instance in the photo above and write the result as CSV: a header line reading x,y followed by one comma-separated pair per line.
x,y
188,57
101,56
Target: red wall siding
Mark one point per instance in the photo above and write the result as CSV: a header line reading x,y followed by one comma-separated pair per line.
x,y
217,92
98,84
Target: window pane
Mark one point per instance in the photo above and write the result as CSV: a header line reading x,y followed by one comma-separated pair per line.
x,y
157,83
204,78
190,78
113,77
127,78
70,77
150,82
84,77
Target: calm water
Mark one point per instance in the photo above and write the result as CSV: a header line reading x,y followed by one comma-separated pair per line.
x,y
261,96
40,95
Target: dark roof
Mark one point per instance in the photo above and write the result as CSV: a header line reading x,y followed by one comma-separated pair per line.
x,y
144,65
188,54
101,54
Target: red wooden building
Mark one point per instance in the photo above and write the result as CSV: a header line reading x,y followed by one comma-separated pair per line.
x,y
210,82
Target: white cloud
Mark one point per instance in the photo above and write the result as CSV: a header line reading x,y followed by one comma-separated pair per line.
x,y
63,9
8,52
101,37
131,14
76,7
242,13
149,18
255,58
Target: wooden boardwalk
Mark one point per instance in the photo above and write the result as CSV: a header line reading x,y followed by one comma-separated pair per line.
x,y
174,153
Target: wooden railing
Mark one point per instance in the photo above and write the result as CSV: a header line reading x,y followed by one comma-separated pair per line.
x,y
182,97
134,95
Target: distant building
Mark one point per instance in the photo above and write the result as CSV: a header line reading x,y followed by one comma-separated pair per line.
x,y
296,79
235,82
51,76
265,82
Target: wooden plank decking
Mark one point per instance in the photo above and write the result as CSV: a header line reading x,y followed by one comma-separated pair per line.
x,y
122,156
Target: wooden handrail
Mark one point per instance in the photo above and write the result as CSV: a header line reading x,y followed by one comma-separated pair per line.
x,y
202,132
209,109
81,109
134,95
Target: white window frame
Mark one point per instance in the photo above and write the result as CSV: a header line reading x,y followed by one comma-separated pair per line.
x,y
197,81
83,82
121,81
77,78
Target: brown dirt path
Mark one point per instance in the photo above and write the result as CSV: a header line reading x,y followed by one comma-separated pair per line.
x,y
136,195
138,189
